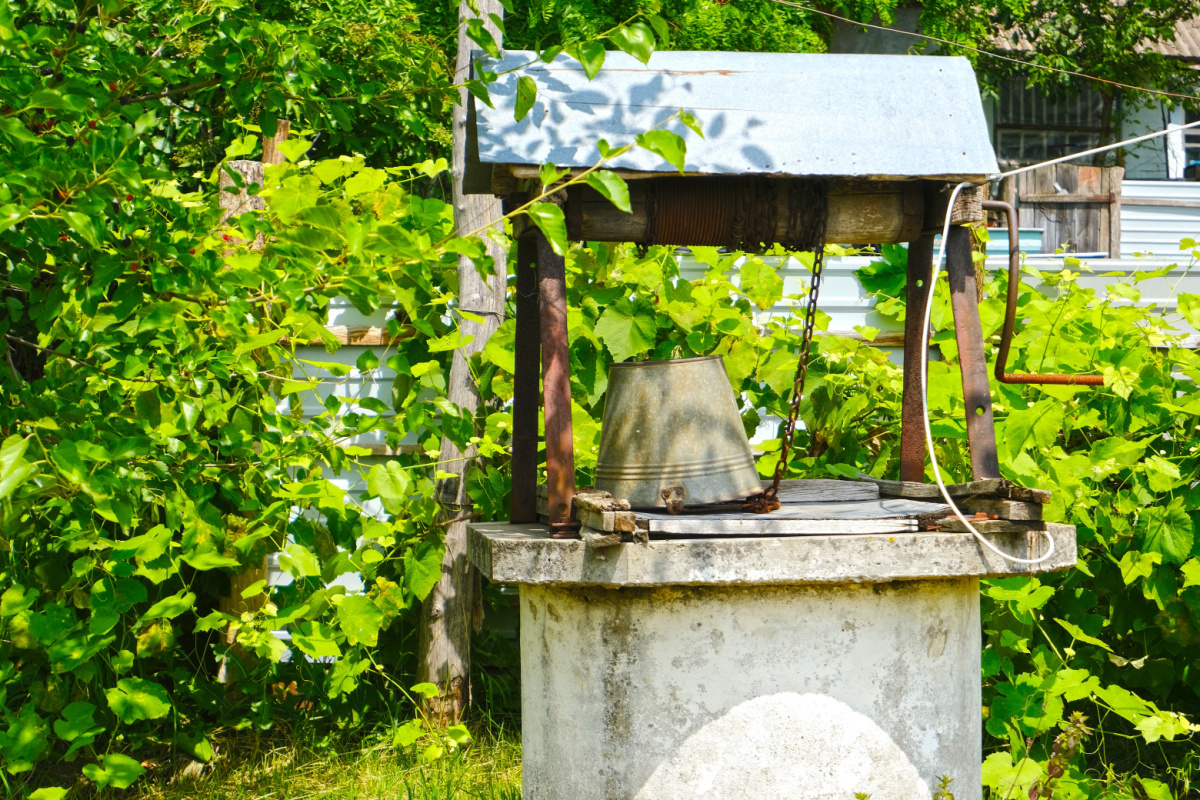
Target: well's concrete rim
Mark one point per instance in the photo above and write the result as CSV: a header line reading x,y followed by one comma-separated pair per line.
x,y
525,554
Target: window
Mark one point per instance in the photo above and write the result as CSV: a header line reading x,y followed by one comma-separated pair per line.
x,y
1031,127
1191,139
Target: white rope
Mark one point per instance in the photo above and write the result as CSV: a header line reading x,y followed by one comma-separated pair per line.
x,y
937,263
937,472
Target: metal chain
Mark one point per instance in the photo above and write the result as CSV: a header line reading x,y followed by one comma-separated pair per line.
x,y
810,321
769,500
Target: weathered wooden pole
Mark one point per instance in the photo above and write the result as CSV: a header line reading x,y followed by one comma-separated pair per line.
x,y
916,360
232,204
556,389
450,612
527,349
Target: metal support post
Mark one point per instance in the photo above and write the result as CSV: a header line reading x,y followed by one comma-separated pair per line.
x,y
977,395
556,389
527,350
916,361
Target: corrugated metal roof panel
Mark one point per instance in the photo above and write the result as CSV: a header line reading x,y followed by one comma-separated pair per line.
x,y
762,113
1186,44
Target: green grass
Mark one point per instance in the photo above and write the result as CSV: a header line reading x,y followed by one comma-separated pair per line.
x,y
309,766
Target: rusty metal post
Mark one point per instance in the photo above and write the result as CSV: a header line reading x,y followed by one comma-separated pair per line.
x,y
916,361
556,389
527,351
977,395
1010,315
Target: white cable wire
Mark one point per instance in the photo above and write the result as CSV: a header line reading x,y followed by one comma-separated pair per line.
x,y
937,472
937,263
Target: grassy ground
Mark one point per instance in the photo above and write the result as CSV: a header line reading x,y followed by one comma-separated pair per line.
x,y
309,767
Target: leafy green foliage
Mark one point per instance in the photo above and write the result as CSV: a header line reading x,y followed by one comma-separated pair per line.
x,y
170,412
1120,461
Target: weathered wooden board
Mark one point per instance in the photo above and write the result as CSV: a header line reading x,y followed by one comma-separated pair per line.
x,y
955,525
824,490
601,511
598,539
1002,509
1001,488
887,515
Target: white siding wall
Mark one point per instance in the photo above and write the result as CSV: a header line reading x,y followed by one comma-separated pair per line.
x,y
1151,229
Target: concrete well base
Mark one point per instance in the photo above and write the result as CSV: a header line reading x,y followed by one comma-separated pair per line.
x,y
772,693
790,668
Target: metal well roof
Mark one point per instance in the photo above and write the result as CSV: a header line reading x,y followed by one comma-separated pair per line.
x,y
773,113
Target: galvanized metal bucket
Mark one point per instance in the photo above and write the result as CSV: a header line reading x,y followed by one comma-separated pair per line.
x,y
671,424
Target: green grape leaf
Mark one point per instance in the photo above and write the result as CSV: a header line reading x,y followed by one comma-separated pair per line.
x,y
171,607
294,149
760,282
299,562
635,39
612,186
1189,307
689,119
422,569
549,219
627,328
134,700
1191,573
666,144
391,484
359,619
1034,427
1078,634
1166,530
591,55
316,640
209,559
526,97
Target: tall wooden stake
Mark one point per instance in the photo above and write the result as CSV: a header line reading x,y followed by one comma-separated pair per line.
x,y
916,361
453,607
233,204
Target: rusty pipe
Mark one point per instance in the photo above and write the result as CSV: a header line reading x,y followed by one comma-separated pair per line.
x,y
1010,314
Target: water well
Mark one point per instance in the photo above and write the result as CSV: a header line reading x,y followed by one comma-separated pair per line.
x,y
829,647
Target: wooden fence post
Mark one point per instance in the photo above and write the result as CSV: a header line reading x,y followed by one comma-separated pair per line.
x,y
233,204
453,608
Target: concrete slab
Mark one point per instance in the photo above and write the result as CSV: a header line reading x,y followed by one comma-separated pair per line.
x,y
738,692
525,554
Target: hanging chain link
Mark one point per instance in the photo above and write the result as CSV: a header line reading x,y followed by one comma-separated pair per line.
x,y
769,500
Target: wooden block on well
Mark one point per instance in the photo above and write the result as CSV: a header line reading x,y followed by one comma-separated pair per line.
x,y
955,525
594,508
597,539
1003,509
824,490
999,488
